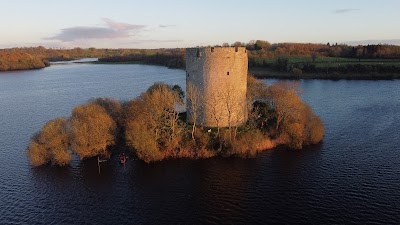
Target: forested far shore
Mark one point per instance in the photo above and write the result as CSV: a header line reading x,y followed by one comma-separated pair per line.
x,y
19,60
152,129
39,57
282,60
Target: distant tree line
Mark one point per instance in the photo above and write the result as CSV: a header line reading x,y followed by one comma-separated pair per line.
x,y
153,129
37,57
18,60
263,49
334,70
351,68
170,59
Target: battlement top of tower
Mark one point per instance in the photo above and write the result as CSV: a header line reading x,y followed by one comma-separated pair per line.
x,y
198,50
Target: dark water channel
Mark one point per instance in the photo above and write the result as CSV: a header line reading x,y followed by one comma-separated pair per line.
x,y
352,177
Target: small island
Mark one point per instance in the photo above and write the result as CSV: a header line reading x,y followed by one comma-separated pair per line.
x,y
228,113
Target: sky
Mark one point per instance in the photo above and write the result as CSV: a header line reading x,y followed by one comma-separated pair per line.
x,y
189,23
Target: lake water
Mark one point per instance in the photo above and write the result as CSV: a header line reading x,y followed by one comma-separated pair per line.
x,y
352,177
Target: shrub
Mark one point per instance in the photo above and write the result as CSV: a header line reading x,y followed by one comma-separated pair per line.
x,y
92,130
297,71
295,134
50,144
142,140
247,144
112,107
281,64
314,128
295,123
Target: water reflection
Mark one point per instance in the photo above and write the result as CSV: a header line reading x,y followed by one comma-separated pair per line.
x,y
46,175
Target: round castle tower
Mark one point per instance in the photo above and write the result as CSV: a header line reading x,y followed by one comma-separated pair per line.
x,y
216,85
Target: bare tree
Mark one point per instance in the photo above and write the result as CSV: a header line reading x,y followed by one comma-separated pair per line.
x,y
153,124
314,56
285,101
295,122
230,104
238,44
194,101
214,111
256,91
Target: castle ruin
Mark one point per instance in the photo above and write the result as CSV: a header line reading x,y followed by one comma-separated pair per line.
x,y
216,85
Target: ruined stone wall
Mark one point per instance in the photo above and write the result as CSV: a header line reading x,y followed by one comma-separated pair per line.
x,y
220,76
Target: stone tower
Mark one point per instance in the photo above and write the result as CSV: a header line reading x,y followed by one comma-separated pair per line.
x,y
218,77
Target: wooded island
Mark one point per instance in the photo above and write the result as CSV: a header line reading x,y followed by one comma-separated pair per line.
x,y
153,129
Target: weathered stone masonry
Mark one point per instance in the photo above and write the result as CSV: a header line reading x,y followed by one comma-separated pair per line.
x,y
220,75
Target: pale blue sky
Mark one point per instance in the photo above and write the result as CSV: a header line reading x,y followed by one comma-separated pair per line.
x,y
184,23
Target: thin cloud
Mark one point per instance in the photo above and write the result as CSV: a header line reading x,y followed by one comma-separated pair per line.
x,y
156,41
341,11
122,26
165,26
112,30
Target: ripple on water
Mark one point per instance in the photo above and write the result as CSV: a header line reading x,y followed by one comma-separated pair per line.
x,y
352,177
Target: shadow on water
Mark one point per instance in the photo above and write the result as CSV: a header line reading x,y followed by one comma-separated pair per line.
x,y
48,174
237,190
86,169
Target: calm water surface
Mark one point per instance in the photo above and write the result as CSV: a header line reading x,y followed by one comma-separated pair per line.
x,y
352,177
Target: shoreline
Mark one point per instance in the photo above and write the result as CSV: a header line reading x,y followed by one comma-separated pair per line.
x,y
263,73
134,62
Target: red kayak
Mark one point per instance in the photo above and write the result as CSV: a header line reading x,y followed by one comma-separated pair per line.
x,y
122,158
